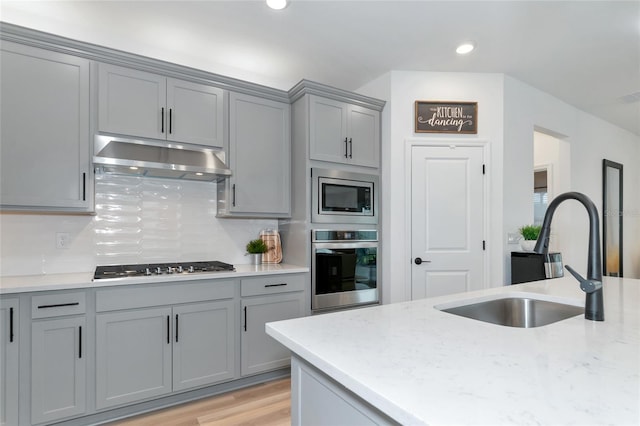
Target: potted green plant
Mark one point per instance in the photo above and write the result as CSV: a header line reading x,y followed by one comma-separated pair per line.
x,y
530,235
255,248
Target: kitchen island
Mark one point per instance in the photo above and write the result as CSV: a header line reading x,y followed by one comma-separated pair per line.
x,y
411,363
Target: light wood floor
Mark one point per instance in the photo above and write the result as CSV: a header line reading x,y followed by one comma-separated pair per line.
x,y
266,404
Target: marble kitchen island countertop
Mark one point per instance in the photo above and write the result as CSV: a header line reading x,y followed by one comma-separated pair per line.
x,y
84,280
419,365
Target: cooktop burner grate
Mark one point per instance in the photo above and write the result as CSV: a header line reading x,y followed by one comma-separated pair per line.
x,y
152,269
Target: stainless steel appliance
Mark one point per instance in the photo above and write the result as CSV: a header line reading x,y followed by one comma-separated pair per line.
x,y
530,266
344,197
344,268
143,157
154,269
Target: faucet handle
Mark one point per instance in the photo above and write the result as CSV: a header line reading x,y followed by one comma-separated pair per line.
x,y
588,286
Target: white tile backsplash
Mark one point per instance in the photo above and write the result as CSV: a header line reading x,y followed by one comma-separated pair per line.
x,y
137,220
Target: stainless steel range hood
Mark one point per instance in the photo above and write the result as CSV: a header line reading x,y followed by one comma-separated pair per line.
x,y
159,159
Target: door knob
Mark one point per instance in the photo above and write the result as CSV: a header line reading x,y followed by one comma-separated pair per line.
x,y
418,261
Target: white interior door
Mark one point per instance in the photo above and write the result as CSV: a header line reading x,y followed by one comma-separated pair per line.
x,y
447,220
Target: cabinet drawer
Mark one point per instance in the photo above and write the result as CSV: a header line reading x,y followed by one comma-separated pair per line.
x,y
57,305
142,296
271,285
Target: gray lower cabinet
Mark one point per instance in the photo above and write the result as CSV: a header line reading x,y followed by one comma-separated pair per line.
x,y
146,353
133,356
264,300
259,156
58,356
203,348
58,369
45,161
316,399
9,358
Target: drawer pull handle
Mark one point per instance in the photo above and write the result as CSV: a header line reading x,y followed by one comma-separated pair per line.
x,y
275,285
58,305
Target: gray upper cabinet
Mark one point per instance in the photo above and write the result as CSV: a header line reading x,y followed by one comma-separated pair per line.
x,y
9,356
45,159
340,132
259,157
138,103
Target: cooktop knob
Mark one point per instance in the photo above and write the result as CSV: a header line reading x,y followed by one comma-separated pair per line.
x,y
180,269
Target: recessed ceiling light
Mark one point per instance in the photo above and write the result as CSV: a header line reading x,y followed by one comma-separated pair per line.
x,y
133,168
277,4
465,48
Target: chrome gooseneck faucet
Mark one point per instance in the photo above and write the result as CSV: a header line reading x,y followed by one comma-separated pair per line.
x,y
592,285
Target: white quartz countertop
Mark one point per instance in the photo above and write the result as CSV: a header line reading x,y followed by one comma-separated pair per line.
x,y
27,283
423,366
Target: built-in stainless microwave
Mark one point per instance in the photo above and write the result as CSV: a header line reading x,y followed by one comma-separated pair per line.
x,y
344,197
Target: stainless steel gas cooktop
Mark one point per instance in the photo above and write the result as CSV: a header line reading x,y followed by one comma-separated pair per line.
x,y
153,269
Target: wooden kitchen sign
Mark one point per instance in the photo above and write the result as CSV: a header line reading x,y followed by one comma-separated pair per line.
x,y
446,117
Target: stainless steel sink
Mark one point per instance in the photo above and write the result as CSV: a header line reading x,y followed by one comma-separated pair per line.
x,y
520,312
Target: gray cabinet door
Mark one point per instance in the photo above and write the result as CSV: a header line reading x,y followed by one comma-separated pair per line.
x,y
204,344
133,356
259,156
138,103
131,102
196,113
260,352
328,130
9,355
58,369
343,133
364,136
44,130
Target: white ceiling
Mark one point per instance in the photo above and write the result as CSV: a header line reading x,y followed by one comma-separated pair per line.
x,y
586,53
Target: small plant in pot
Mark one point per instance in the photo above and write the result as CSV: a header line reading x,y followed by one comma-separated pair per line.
x,y
255,248
530,235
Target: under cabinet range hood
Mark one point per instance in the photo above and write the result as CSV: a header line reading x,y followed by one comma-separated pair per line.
x,y
159,159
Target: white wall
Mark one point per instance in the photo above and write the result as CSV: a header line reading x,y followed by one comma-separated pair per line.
x,y
138,220
509,111
555,154
401,89
591,139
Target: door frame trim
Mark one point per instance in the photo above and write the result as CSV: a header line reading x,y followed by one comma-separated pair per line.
x,y
409,144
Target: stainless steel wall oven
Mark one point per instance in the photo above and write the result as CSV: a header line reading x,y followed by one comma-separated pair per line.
x,y
344,268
